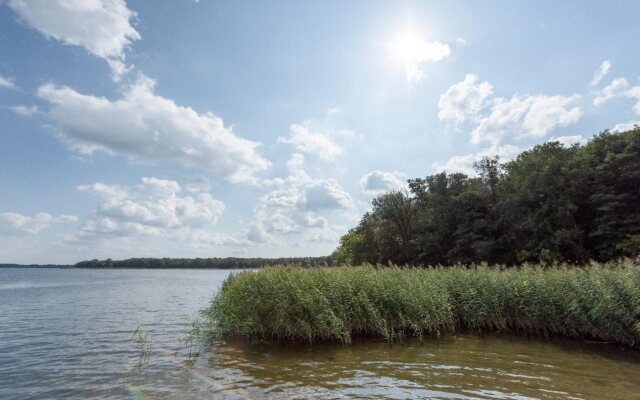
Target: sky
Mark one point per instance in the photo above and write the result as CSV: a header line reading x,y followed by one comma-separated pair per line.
x,y
264,129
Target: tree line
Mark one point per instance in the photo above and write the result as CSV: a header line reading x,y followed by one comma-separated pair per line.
x,y
204,263
553,203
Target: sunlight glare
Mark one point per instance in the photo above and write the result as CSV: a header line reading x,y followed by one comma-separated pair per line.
x,y
409,50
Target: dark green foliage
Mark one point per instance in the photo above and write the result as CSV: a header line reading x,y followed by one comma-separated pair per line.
x,y
551,204
597,302
204,263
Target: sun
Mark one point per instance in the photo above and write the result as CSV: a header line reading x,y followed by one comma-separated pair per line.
x,y
410,50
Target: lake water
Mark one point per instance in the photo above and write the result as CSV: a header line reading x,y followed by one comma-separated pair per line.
x,y
66,334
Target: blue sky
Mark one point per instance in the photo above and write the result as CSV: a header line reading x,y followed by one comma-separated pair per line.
x,y
204,129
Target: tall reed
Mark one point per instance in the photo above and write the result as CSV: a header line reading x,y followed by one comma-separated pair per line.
x,y
597,302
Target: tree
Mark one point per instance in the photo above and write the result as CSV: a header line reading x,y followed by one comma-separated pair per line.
x,y
552,203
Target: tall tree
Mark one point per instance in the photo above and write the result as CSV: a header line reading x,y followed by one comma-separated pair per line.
x,y
552,203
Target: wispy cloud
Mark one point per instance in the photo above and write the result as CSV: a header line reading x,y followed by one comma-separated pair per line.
x,y
6,83
601,72
12,223
27,111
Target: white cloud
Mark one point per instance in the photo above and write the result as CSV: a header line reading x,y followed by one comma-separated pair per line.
x,y
412,51
618,88
150,208
326,193
6,83
102,27
615,89
27,111
461,41
149,127
377,182
494,118
601,72
547,112
625,126
507,152
305,139
532,116
258,235
17,224
465,163
568,141
294,203
464,100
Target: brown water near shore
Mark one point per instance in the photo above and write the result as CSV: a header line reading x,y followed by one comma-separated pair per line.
x,y
453,367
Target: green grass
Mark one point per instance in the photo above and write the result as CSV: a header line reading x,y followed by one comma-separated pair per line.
x,y
595,302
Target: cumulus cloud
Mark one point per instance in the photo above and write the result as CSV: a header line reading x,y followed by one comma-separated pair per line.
x,y
568,141
258,235
150,208
307,140
325,193
547,112
17,224
412,51
377,182
294,203
465,163
507,152
494,118
625,126
27,111
6,83
464,100
145,126
531,116
102,27
601,72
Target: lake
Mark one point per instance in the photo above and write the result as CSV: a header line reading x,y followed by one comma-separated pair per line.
x,y
66,333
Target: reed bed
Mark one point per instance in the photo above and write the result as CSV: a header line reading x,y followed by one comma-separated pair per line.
x,y
595,302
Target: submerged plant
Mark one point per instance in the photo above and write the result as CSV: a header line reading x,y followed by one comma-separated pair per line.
x,y
142,339
193,337
596,302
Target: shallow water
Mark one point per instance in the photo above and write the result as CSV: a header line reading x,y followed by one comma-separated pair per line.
x,y
66,334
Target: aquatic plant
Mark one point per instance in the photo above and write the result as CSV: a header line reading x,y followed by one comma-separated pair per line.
x,y
142,339
596,302
194,334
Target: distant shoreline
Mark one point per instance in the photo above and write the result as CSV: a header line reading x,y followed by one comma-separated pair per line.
x,y
61,266
183,263
50,266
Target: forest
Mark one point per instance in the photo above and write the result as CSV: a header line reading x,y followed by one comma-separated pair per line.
x,y
551,204
204,263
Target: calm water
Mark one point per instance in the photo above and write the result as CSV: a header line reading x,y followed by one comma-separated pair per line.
x,y
66,334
